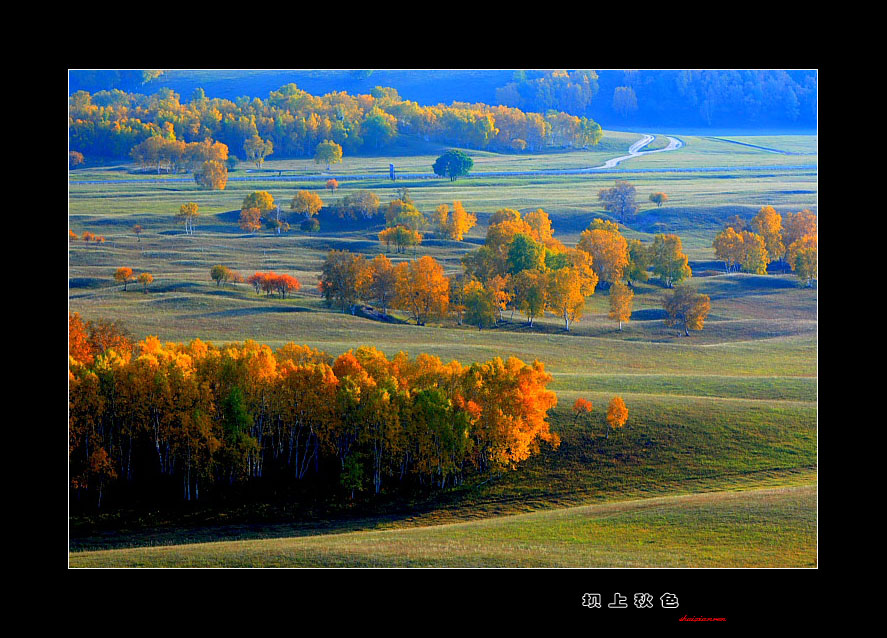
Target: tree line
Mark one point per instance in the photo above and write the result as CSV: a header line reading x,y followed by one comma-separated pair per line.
x,y
184,421
292,123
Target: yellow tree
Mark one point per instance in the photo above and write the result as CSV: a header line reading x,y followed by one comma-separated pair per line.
x,y
802,255
568,287
461,221
307,203
685,308
146,278
422,290
123,274
621,297
727,245
797,225
379,284
617,414
658,198
212,175
187,213
753,256
262,200
669,260
768,224
257,149
609,252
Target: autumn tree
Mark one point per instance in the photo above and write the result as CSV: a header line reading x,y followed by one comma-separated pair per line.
x,y
609,253
797,225
404,213
137,230
257,149
617,414
186,215
685,308
568,287
728,248
341,278
307,203
250,220
453,224
332,185
753,253
74,159
658,198
619,200
422,290
581,407
327,152
262,200
285,284
123,274
401,236
668,261
379,284
212,175
196,153
220,274
621,297
361,204
145,278
768,224
802,256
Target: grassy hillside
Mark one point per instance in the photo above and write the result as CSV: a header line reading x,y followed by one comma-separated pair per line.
x,y
758,528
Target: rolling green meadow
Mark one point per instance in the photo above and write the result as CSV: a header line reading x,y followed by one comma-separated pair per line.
x,y
717,464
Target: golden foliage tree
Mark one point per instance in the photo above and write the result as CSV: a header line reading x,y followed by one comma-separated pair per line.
x,y
685,308
621,297
422,290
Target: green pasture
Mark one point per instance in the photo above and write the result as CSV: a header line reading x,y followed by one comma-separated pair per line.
x,y
760,528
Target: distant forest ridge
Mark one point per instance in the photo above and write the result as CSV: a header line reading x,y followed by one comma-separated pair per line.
x,y
613,98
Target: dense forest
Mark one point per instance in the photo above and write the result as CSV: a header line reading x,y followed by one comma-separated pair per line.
x,y
292,122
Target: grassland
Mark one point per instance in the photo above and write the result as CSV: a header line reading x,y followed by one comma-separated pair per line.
x,y
732,408
757,528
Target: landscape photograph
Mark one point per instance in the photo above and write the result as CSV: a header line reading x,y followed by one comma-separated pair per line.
x,y
492,319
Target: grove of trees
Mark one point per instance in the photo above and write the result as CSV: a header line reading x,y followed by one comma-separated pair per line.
x,y
292,123
186,421
752,245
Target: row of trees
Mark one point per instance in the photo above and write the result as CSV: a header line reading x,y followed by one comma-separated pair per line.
x,y
196,419
752,245
124,274
292,123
